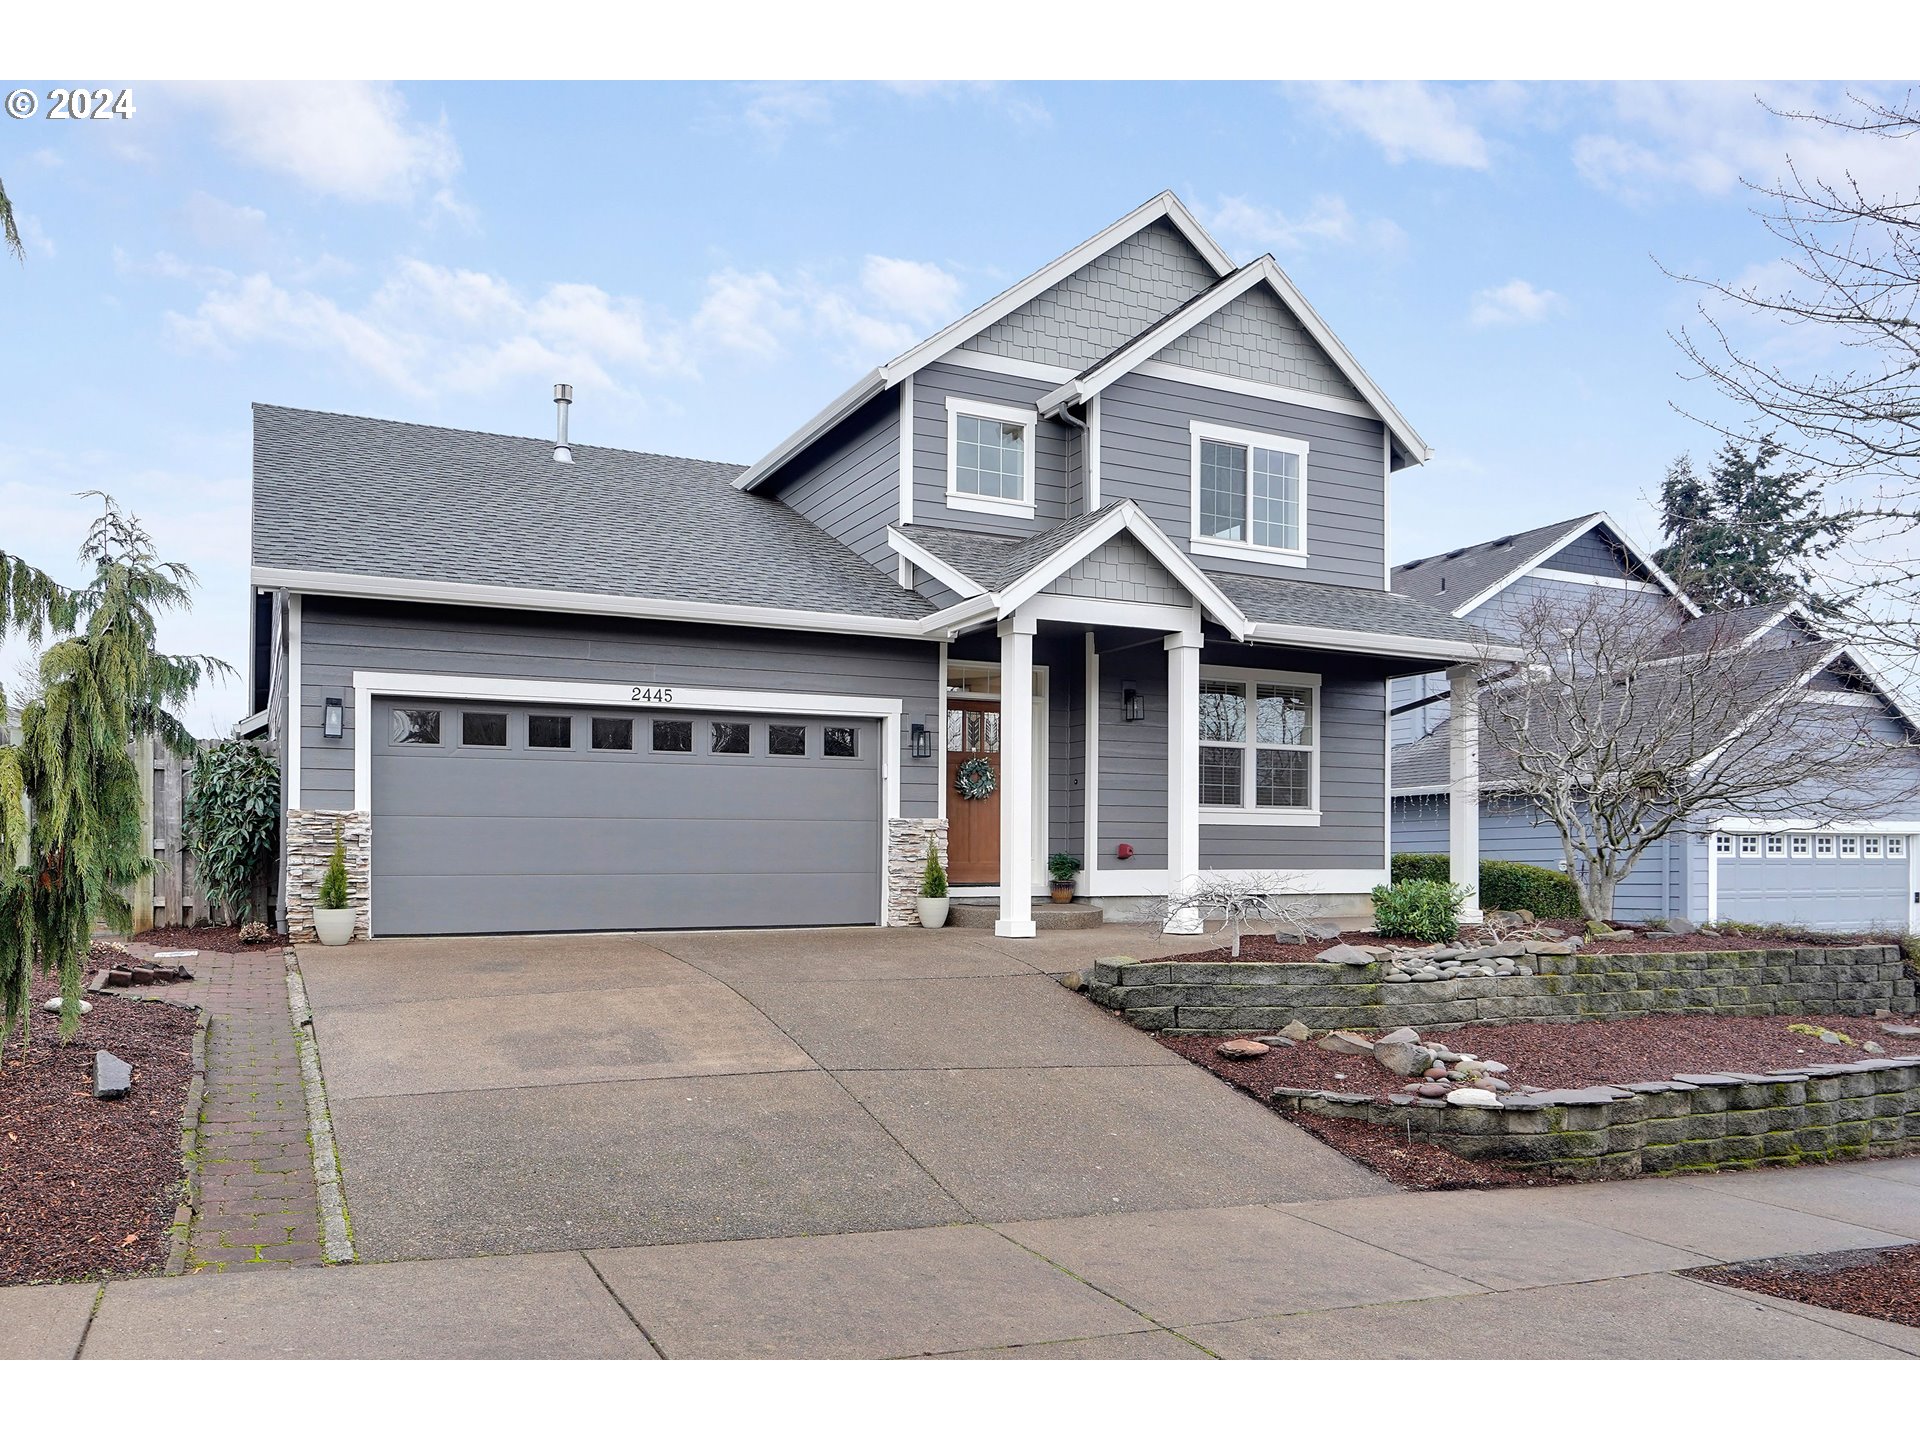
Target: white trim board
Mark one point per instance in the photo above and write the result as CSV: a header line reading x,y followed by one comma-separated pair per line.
x,y
1024,416
576,602
1199,431
296,702
367,684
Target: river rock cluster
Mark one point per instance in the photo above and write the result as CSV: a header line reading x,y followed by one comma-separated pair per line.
x,y
1453,962
1433,1070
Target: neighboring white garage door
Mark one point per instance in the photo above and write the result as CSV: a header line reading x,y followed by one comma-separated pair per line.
x,y
1837,881
506,818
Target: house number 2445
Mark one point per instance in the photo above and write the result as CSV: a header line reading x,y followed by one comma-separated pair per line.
x,y
653,694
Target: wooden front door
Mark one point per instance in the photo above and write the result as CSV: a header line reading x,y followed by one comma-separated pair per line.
x,y
973,826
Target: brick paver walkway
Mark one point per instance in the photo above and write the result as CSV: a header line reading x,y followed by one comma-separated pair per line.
x,y
257,1201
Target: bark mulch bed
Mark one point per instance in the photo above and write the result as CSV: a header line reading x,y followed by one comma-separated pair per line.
x,y
1552,1057
1568,1057
223,938
88,1187
1879,1284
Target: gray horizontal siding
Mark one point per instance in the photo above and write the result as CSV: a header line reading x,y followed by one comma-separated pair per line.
x,y
341,636
1590,554
1508,831
1146,455
850,484
1511,607
931,387
1404,690
1352,833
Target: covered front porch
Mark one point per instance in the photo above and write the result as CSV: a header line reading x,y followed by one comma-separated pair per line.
x,y
1115,704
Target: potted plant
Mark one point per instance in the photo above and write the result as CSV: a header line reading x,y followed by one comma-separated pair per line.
x,y
932,900
1063,867
332,914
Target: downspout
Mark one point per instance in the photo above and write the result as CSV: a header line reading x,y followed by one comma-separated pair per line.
x,y
1086,460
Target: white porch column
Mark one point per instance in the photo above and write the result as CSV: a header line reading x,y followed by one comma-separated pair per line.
x,y
1463,786
1183,770
1016,778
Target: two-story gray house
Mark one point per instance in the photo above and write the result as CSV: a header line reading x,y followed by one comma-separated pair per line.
x,y
1099,568
1803,866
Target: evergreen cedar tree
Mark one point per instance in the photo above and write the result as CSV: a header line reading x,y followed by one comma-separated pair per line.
x,y
69,789
1748,534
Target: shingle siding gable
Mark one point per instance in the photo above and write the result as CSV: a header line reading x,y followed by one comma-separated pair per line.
x,y
1257,338
1104,303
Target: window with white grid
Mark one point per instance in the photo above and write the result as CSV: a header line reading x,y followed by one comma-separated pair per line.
x,y
1776,845
1749,844
1896,847
1870,847
990,457
1849,847
1823,847
1802,845
1723,844
1258,743
1249,494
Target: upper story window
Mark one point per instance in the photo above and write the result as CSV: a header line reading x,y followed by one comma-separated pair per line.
x,y
1249,495
989,457
1259,753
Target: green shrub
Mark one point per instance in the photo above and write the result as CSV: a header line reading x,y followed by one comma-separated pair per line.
x,y
1063,867
1425,910
230,820
1504,884
333,884
933,884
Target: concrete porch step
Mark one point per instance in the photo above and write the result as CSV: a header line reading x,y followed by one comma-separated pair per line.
x,y
980,915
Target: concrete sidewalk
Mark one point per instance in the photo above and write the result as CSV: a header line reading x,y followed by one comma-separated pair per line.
x,y
1583,1272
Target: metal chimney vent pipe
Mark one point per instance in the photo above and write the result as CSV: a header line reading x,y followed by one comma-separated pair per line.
x,y
562,402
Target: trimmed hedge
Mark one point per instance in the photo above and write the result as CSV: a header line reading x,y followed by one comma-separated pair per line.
x,y
1504,884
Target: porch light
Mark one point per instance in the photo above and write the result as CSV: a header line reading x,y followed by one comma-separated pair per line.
x,y
922,742
333,718
1133,705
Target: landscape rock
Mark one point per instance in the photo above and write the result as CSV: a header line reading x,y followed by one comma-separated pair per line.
x,y
1474,1098
1402,1057
1241,1049
1873,1047
1296,1031
1905,1032
1275,1042
1344,955
1680,925
1433,1090
112,1076
1345,1042
54,1006
1406,1034
1320,930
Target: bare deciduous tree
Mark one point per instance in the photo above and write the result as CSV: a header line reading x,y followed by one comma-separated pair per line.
x,y
1233,900
1622,725
1832,371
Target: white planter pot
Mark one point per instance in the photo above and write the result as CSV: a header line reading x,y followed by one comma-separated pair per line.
x,y
933,913
334,927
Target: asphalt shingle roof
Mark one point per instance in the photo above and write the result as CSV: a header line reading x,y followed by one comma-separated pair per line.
x,y
344,493
996,561
1474,568
1280,600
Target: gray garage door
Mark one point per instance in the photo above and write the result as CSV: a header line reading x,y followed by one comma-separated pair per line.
x,y
1826,881
498,818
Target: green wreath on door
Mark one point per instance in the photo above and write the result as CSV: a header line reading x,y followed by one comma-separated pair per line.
x,y
974,779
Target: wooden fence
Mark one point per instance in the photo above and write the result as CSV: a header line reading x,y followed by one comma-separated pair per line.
x,y
174,894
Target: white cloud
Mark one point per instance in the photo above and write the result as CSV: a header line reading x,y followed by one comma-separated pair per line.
x,y
773,110
748,313
1327,219
1708,136
1408,120
33,235
1515,303
352,140
919,291
216,223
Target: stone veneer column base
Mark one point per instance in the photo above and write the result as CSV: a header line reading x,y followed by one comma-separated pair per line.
x,y
309,846
907,864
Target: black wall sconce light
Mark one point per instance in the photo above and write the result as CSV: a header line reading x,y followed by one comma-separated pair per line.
x,y
922,742
1133,705
333,718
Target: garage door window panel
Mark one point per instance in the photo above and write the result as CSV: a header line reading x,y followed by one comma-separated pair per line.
x,y
787,740
612,732
731,737
416,727
673,737
484,728
549,732
842,743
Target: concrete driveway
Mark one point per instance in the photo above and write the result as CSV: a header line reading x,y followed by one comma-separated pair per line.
x,y
523,1094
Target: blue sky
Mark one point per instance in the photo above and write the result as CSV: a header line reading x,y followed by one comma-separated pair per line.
x,y
709,264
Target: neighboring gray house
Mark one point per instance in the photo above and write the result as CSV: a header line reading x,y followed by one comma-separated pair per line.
x,y
1101,568
1806,869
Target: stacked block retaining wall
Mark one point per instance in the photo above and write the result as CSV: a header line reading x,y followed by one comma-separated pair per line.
x,y
1237,998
